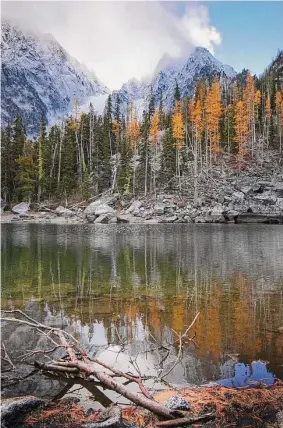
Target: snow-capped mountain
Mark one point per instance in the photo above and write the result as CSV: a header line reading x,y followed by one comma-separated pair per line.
x,y
201,64
39,78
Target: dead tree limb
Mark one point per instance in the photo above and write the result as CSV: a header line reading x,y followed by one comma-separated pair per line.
x,y
79,364
185,421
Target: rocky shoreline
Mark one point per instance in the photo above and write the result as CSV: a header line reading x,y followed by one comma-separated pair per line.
x,y
261,202
224,195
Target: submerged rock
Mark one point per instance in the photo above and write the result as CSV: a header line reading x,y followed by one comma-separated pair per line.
x,y
13,410
105,218
123,219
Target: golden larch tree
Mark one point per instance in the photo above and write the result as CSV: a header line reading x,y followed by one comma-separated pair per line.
x,y
116,128
279,116
154,128
178,135
213,115
178,126
241,129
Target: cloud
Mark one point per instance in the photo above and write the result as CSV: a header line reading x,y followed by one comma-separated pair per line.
x,y
119,40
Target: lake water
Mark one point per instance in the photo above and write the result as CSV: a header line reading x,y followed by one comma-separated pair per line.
x,y
121,285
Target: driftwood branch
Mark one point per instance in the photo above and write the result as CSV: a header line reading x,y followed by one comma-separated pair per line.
x,y
185,421
80,365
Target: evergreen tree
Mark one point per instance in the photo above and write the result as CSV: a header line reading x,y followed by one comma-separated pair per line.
x,y
177,95
26,173
168,159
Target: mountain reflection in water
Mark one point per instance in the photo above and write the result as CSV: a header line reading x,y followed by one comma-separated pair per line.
x,y
121,284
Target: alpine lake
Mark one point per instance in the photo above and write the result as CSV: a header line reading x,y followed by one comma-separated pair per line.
x,y
123,289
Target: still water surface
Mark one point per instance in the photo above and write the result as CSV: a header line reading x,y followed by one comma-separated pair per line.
x,y
118,284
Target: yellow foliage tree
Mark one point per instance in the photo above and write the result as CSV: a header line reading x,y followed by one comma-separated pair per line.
x,y
213,115
279,116
116,128
178,126
154,128
133,131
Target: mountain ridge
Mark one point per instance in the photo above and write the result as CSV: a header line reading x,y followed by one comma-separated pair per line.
x,y
40,78
200,64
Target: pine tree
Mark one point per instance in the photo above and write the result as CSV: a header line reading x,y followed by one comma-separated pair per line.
x,y
69,165
42,161
168,159
7,164
26,174
177,94
241,129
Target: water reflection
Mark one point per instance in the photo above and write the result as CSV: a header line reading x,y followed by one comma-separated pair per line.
x,y
113,285
249,376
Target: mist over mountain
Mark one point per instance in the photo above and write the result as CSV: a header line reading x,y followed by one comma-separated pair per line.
x,y
40,79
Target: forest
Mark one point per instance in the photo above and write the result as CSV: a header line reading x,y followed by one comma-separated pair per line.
x,y
87,153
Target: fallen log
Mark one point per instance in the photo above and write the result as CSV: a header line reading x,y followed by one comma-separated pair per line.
x,y
258,218
110,383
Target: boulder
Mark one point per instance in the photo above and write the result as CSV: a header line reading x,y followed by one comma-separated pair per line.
x,y
200,202
21,208
159,208
13,410
247,190
169,219
134,207
238,196
202,219
64,212
151,220
267,198
104,209
90,218
169,208
180,220
113,220
90,209
2,205
259,218
105,218
124,219
230,215
278,189
217,214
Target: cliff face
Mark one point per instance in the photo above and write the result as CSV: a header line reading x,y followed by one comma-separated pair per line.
x,y
39,78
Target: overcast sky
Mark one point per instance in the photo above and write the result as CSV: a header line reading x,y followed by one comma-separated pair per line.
x,y
121,40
